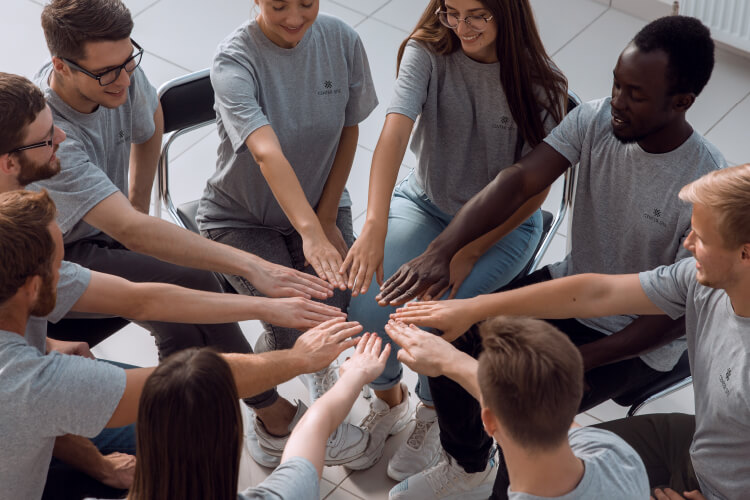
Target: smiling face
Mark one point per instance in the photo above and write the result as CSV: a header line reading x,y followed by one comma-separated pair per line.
x,y
479,46
715,263
641,104
40,163
100,56
285,22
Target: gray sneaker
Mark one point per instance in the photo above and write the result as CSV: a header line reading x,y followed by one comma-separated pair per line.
x,y
382,422
348,442
421,449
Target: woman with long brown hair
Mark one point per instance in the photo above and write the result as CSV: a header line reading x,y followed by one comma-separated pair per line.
x,y
190,430
475,74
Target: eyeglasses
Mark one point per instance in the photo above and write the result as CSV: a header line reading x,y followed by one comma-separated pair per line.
x,y
48,142
111,75
477,23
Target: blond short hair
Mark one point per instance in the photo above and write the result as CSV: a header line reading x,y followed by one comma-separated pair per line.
x,y
727,193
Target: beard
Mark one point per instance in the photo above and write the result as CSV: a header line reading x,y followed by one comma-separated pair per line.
x,y
47,298
32,172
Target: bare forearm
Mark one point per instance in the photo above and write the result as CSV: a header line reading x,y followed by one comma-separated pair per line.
x,y
386,160
144,159
328,205
80,453
580,296
479,246
257,373
644,334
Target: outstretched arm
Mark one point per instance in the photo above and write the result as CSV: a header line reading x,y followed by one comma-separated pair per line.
x,y
492,206
115,469
579,296
144,159
255,373
158,238
308,440
116,296
430,355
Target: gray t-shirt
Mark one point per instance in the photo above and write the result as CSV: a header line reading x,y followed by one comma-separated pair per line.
x,y
95,157
627,217
613,470
719,350
42,397
307,94
465,134
74,280
295,479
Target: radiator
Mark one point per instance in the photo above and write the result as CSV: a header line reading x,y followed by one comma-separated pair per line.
x,y
729,20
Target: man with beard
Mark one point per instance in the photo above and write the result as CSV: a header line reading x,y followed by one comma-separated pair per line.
x,y
635,150
28,147
47,396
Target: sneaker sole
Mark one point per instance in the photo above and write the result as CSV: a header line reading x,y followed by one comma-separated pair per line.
x,y
481,493
399,476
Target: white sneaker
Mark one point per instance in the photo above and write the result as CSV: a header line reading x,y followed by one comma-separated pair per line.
x,y
421,449
447,481
348,442
319,382
382,422
251,440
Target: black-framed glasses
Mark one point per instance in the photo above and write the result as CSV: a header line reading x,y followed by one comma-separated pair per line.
x,y
477,23
111,75
40,144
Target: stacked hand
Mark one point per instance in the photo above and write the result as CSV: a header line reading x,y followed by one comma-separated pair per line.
x,y
364,259
273,280
670,494
325,259
299,313
422,277
449,316
368,361
70,348
118,470
421,351
319,346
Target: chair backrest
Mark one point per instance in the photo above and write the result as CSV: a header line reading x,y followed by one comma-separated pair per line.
x,y
188,104
550,228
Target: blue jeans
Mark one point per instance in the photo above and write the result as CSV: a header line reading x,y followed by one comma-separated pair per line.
x,y
414,221
65,482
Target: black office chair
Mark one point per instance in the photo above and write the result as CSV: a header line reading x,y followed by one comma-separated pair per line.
x,y
664,385
188,105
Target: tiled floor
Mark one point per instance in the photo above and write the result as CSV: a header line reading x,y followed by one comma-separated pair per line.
x,y
584,38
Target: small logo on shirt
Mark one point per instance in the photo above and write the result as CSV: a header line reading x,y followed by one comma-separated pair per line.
x,y
724,380
122,136
328,89
655,218
505,123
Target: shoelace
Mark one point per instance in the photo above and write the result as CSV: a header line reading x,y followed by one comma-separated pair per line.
x,y
323,380
370,418
442,477
417,436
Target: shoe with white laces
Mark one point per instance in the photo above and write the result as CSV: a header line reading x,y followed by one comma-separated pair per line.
x,y
319,382
348,442
421,449
447,481
382,422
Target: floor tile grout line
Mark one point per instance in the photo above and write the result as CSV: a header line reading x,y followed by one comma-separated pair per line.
x,y
607,9
168,61
725,114
337,2
145,8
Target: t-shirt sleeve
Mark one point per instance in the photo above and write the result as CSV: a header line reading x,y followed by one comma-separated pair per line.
x,y
79,186
296,478
567,138
74,280
412,84
668,286
75,395
236,94
143,105
362,97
